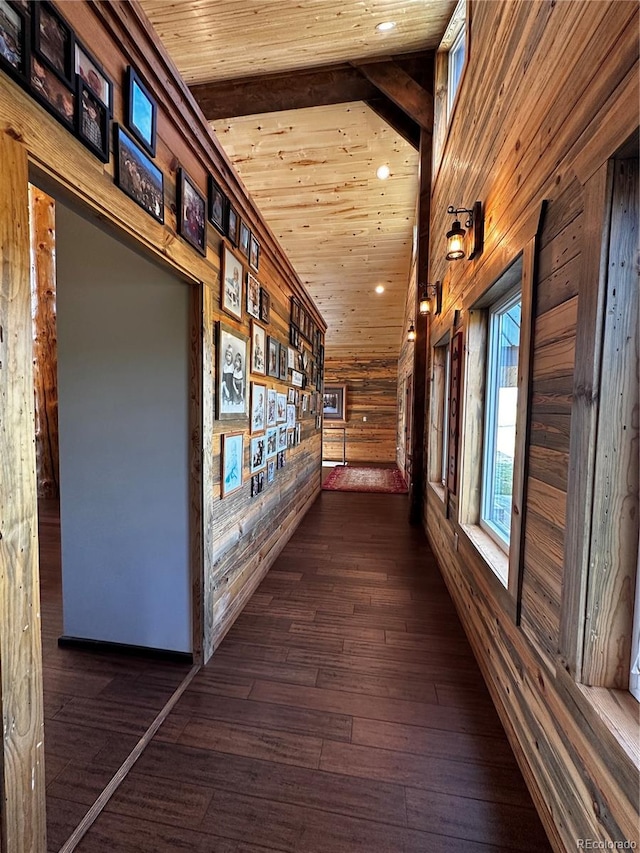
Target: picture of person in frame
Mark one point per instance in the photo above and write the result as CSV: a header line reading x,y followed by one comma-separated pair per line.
x,y
10,35
227,375
54,40
90,120
193,215
238,380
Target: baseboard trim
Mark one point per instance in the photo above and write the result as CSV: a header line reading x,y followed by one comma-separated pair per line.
x,y
106,647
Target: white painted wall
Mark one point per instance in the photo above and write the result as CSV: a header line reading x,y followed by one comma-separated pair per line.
x,y
123,348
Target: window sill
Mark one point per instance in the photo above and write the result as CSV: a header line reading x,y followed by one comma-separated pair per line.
x,y
438,488
493,555
618,710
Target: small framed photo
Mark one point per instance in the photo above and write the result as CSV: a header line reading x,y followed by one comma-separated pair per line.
x,y
53,41
272,403
92,122
281,458
232,459
296,378
281,408
258,348
232,382
291,416
283,361
265,305
282,438
334,403
258,407
253,296
138,176
273,357
295,312
271,470
233,224
52,93
232,275
257,483
272,442
244,239
93,77
14,44
254,253
294,336
258,456
141,112
291,395
298,433
217,206
291,358
192,213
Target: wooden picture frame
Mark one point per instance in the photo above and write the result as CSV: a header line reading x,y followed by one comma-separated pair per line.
x,y
217,207
258,349
53,41
281,408
265,305
131,160
233,224
92,121
192,212
232,373
258,420
14,37
334,403
273,357
141,111
92,75
253,296
282,360
254,253
232,276
232,463
244,238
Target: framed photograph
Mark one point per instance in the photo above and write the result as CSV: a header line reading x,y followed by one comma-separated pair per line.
x,y
334,403
271,470
272,442
93,77
233,224
282,438
281,408
291,358
273,357
272,407
291,439
244,239
92,122
254,253
283,361
138,176
141,112
296,378
232,382
192,213
257,483
14,44
231,291
291,416
295,312
265,305
258,407
52,93
294,336
253,296
217,206
53,41
298,433
258,458
291,395
281,458
232,459
258,348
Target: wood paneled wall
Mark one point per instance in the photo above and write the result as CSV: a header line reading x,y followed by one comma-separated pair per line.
x,y
371,394
233,541
406,379
550,93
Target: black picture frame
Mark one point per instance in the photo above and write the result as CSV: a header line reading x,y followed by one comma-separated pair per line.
x,y
232,380
283,361
217,209
233,224
92,121
254,253
129,159
14,44
53,41
265,305
244,238
192,212
141,111
89,70
273,357
52,92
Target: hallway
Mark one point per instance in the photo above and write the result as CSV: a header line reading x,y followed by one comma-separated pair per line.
x,y
343,713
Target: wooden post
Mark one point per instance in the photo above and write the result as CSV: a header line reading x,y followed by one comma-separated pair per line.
x,y
22,784
45,344
420,397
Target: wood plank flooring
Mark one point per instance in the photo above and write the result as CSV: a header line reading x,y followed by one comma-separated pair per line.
x,y
343,713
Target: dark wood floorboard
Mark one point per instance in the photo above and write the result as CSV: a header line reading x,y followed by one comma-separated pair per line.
x,y
343,713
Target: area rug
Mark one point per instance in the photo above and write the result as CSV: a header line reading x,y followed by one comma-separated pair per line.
x,y
387,481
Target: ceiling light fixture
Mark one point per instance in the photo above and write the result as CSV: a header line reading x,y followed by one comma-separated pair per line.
x,y
385,26
380,288
383,172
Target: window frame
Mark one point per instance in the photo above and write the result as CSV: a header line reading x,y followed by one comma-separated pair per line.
x,y
439,415
460,40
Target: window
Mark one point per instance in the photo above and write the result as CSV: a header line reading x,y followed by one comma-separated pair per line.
x,y
439,415
445,416
451,57
454,67
501,404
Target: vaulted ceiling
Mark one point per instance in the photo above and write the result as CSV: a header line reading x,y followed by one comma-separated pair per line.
x,y
308,99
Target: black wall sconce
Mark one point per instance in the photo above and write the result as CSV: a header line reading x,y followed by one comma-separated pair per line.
x,y
431,292
455,237
411,334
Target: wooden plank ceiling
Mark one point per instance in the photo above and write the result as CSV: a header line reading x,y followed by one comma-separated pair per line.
x,y
296,93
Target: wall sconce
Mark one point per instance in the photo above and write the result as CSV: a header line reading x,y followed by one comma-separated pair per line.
x,y
455,237
411,334
429,293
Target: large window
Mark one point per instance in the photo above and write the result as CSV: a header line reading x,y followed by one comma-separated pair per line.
x,y
501,404
438,459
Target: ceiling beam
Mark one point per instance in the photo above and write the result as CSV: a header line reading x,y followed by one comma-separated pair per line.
x,y
397,119
402,89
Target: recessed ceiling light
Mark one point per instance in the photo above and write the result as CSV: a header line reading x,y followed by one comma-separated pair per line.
x,y
380,288
385,26
383,172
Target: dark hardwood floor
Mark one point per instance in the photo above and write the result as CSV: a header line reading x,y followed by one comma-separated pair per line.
x,y
343,713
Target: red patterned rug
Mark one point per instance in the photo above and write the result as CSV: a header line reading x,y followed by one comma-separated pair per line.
x,y
385,480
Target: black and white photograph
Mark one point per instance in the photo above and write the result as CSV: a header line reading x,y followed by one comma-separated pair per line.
x,y
232,275
296,378
93,122
192,213
258,348
258,407
93,77
283,361
253,296
217,206
53,40
281,456
138,176
232,373
141,112
271,470
291,358
258,453
254,253
291,416
233,224
257,483
272,403
282,437
244,238
281,408
13,41
272,442
55,95
273,357
265,305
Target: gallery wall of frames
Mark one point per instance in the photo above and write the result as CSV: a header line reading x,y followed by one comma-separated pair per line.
x,y
93,111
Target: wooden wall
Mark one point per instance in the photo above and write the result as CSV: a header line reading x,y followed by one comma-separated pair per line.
x,y
550,93
233,541
406,379
371,394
